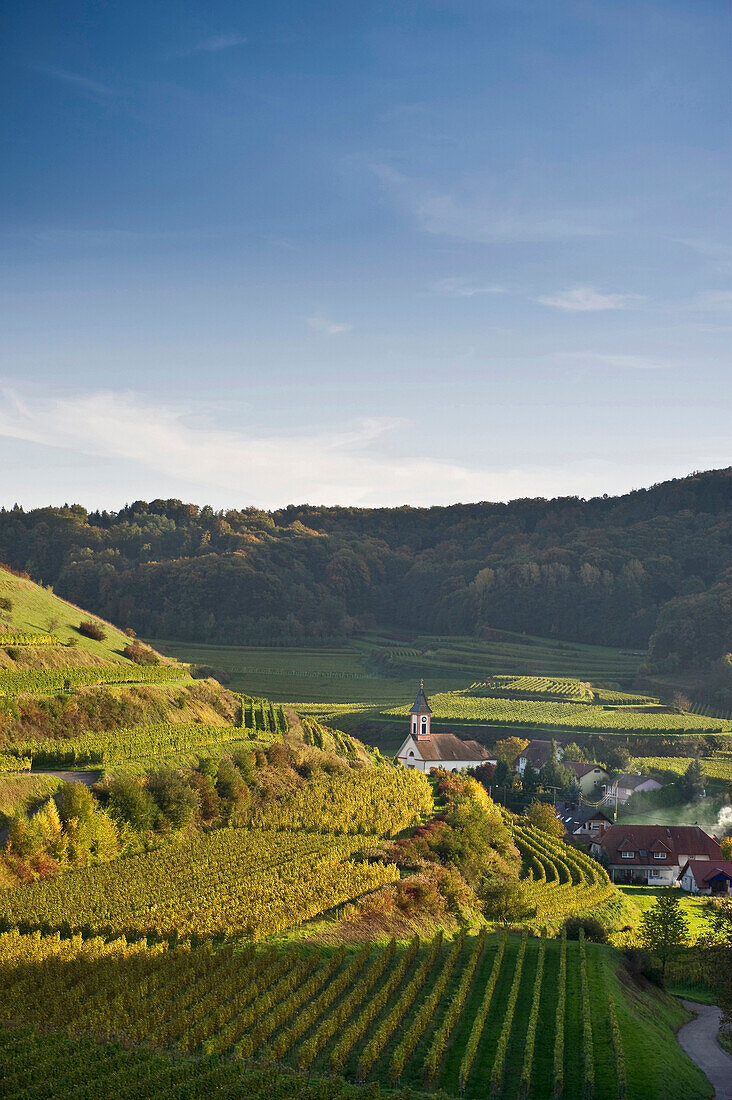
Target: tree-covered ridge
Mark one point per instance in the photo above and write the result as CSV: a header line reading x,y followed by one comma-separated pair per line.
x,y
597,570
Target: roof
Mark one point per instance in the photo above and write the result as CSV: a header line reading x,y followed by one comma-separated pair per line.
x,y
632,780
575,817
421,706
643,840
704,870
446,746
581,768
537,753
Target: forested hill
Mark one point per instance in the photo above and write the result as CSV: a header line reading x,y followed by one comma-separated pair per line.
x,y
606,570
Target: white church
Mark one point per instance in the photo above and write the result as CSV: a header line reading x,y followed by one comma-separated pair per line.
x,y
425,750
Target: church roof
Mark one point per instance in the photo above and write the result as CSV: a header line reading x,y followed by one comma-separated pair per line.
x,y
421,706
446,746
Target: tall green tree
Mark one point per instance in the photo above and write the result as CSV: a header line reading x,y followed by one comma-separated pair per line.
x,y
664,928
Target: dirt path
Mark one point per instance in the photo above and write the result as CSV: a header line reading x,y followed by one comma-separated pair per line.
x,y
699,1039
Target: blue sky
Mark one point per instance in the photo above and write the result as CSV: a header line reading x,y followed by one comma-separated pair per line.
x,y
363,253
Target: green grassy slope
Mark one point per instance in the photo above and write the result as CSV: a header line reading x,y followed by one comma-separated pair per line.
x,y
38,610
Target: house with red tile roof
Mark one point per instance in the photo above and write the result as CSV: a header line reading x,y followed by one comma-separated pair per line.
x,y
653,854
707,876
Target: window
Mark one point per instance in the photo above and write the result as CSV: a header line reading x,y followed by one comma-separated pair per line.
x,y
627,855
643,852
654,872
659,855
411,752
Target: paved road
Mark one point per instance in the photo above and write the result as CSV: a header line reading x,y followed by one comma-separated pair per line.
x,y
70,777
699,1040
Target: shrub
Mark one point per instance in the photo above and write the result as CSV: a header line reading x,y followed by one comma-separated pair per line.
x,y
593,929
140,654
91,629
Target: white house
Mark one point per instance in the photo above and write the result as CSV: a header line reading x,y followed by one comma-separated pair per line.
x,y
536,753
424,750
701,876
629,782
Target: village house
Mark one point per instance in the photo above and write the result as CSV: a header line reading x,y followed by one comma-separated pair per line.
x,y
712,876
424,750
628,783
582,822
536,753
653,854
590,777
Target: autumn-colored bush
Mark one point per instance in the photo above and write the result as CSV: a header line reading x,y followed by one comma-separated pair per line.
x,y
92,629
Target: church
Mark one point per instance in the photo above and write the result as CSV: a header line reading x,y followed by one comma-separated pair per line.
x,y
425,750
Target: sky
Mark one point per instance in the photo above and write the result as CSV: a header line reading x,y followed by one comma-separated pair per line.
x,y
362,253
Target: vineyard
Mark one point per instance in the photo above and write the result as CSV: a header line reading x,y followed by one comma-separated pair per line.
x,y
330,740
40,681
479,1015
562,879
28,639
228,882
464,707
262,719
534,687
116,746
81,1069
716,767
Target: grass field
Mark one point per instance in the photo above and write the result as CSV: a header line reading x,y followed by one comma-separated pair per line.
x,y
638,899
400,1013
38,610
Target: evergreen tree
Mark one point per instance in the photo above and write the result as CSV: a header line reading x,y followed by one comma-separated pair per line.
x,y
693,781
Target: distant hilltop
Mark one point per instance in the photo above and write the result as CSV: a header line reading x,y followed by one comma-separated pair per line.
x,y
648,570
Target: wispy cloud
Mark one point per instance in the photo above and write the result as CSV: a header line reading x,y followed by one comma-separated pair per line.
x,y
585,299
327,327
78,80
321,466
480,211
117,441
217,42
457,287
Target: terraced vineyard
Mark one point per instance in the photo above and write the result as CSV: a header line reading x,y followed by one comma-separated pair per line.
x,y
52,680
116,746
563,879
465,707
479,1014
534,687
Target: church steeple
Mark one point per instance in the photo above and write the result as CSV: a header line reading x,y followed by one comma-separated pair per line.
x,y
420,716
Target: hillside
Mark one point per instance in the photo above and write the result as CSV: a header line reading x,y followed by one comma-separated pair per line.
x,y
255,895
604,571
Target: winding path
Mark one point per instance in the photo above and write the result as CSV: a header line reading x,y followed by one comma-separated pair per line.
x,y
699,1039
